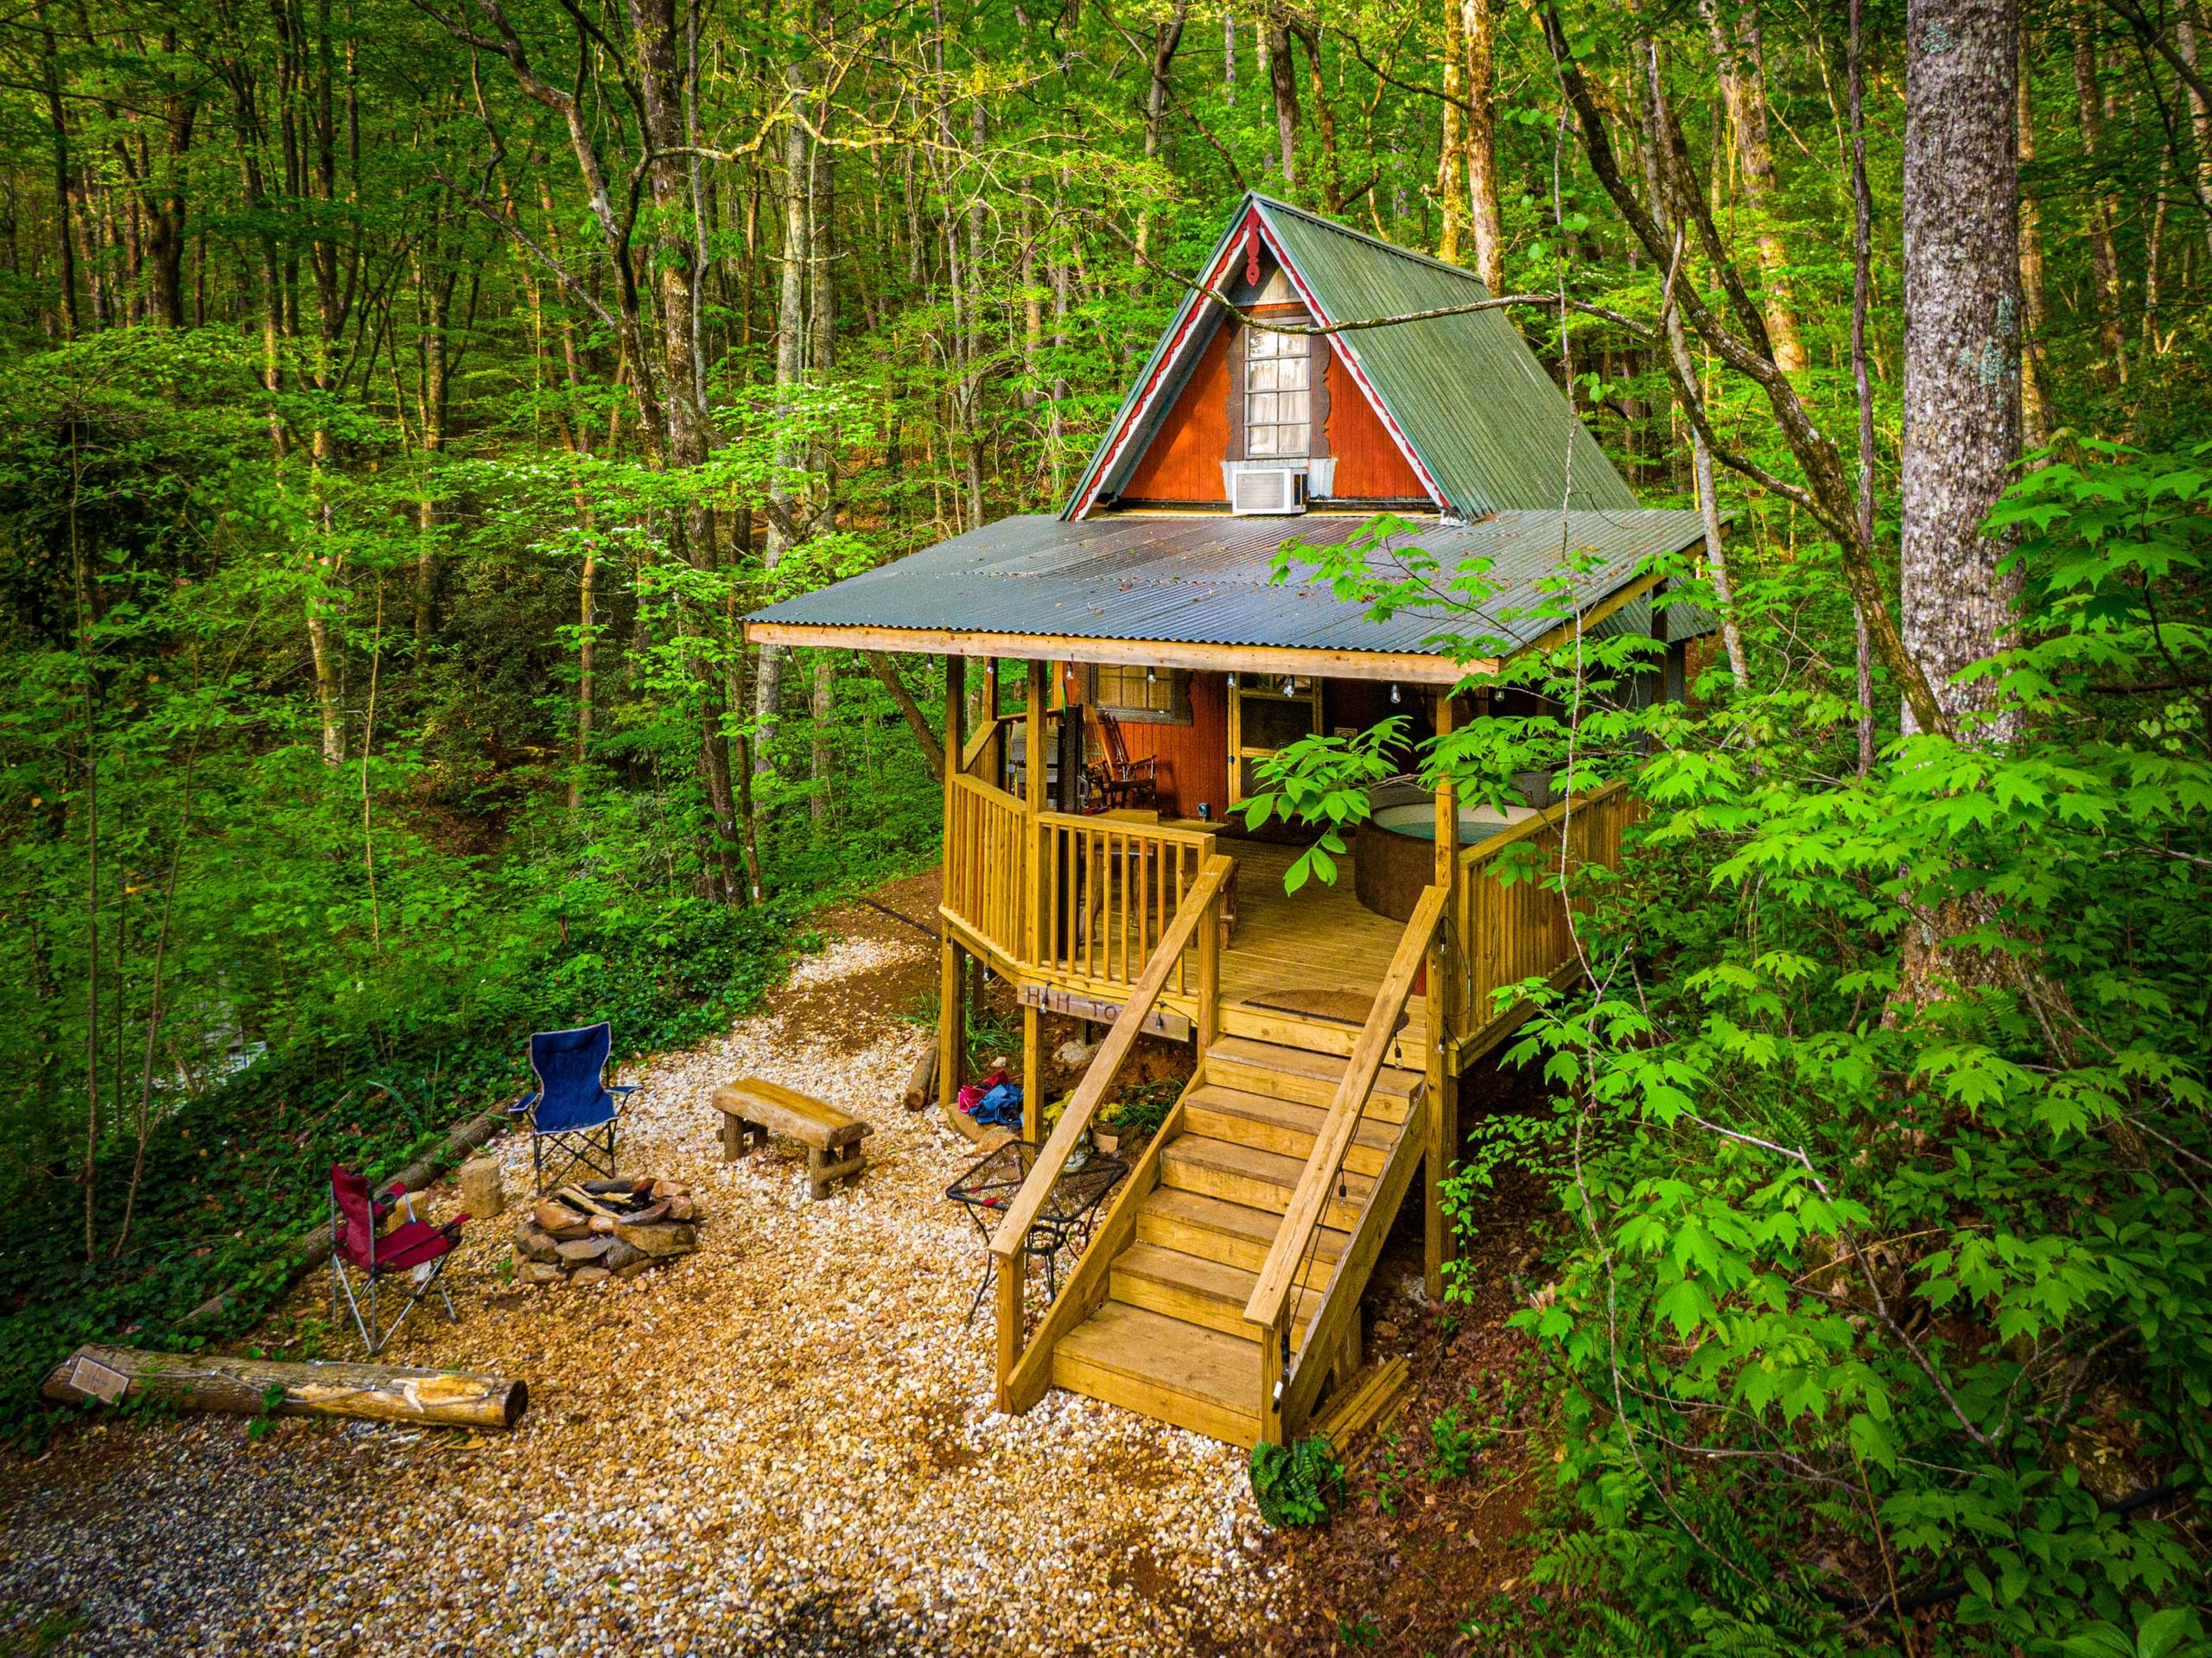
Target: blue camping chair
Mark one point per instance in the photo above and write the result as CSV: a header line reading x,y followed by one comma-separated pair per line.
x,y
572,1109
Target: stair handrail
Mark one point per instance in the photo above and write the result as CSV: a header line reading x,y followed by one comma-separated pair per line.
x,y
1197,908
1268,1302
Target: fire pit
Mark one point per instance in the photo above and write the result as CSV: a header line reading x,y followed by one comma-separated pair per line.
x,y
600,1230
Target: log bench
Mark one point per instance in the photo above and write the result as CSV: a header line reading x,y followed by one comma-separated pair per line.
x,y
752,1108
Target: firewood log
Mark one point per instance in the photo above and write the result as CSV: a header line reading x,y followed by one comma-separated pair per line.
x,y
380,1392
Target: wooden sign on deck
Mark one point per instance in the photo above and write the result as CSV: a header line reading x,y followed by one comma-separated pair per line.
x,y
1053,999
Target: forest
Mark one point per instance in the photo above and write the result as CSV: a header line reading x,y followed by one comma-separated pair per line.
x,y
402,403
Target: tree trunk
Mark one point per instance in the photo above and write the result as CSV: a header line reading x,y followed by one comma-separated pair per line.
x,y
1324,121
1165,37
1739,53
825,720
790,368
2186,29
1862,294
925,736
2035,416
1282,79
1452,148
162,195
1689,387
377,1393
1480,126
434,298
662,80
2103,211
1962,374
65,192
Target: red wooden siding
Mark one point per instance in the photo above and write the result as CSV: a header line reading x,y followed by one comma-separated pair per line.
x,y
1368,466
1193,759
1184,460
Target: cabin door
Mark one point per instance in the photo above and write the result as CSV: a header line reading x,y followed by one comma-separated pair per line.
x,y
1266,715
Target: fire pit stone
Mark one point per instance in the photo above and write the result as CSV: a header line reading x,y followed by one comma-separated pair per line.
x,y
605,1229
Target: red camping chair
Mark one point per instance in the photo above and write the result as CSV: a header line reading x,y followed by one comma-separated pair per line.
x,y
415,1248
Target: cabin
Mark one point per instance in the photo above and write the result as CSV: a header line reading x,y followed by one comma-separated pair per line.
x,y
1220,1289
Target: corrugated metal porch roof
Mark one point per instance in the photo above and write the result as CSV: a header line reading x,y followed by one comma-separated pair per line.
x,y
1208,580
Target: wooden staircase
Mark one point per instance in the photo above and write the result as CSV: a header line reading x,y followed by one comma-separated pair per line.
x,y
1197,1220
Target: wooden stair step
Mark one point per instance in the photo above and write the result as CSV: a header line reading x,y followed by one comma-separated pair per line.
x,y
1165,1369
1333,1038
1261,1179
1285,1126
1235,1234
1197,1290
1309,1078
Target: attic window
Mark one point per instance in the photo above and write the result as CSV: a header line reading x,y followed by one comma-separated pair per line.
x,y
1277,399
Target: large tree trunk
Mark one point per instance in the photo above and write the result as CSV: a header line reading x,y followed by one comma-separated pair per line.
x,y
1479,123
2035,416
1962,348
1740,54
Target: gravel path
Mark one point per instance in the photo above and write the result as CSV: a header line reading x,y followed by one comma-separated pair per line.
x,y
784,1443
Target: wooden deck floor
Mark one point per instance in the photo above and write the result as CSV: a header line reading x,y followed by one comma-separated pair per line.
x,y
1316,953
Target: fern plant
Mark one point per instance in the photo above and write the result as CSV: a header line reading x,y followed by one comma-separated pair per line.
x,y
1296,1484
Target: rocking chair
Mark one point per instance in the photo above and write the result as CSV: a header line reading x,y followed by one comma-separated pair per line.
x,y
1116,781
414,1248
572,1110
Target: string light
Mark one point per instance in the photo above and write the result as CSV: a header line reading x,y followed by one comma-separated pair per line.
x,y
1393,697
1232,681
1151,676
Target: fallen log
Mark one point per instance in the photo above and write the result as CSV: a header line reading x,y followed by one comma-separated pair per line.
x,y
378,1393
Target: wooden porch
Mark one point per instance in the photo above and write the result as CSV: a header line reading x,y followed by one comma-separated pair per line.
x,y
1221,1290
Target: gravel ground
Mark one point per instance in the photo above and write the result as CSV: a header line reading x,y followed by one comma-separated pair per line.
x,y
784,1443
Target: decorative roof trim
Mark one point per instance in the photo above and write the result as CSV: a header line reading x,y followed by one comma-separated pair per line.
x,y
1168,355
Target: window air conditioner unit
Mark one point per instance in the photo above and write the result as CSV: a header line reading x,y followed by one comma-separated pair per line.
x,y
1258,491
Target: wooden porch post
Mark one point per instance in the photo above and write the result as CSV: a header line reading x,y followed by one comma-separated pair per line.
x,y
1443,1077
1032,877
951,982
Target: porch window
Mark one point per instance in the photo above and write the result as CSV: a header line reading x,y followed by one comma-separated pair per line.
x,y
1146,696
1277,406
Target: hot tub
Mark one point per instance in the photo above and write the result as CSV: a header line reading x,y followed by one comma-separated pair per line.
x,y
1394,858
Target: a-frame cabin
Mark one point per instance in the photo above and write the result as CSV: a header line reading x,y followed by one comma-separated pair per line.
x,y
1221,1290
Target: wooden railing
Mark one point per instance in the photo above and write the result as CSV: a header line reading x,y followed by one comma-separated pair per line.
x,y
1109,890
984,861
1196,921
1505,934
1290,1379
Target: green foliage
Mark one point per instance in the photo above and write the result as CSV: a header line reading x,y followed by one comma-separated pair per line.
x,y
1296,1484
1879,1120
1143,1107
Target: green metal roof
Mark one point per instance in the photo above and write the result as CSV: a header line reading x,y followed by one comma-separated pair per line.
x,y
1473,403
